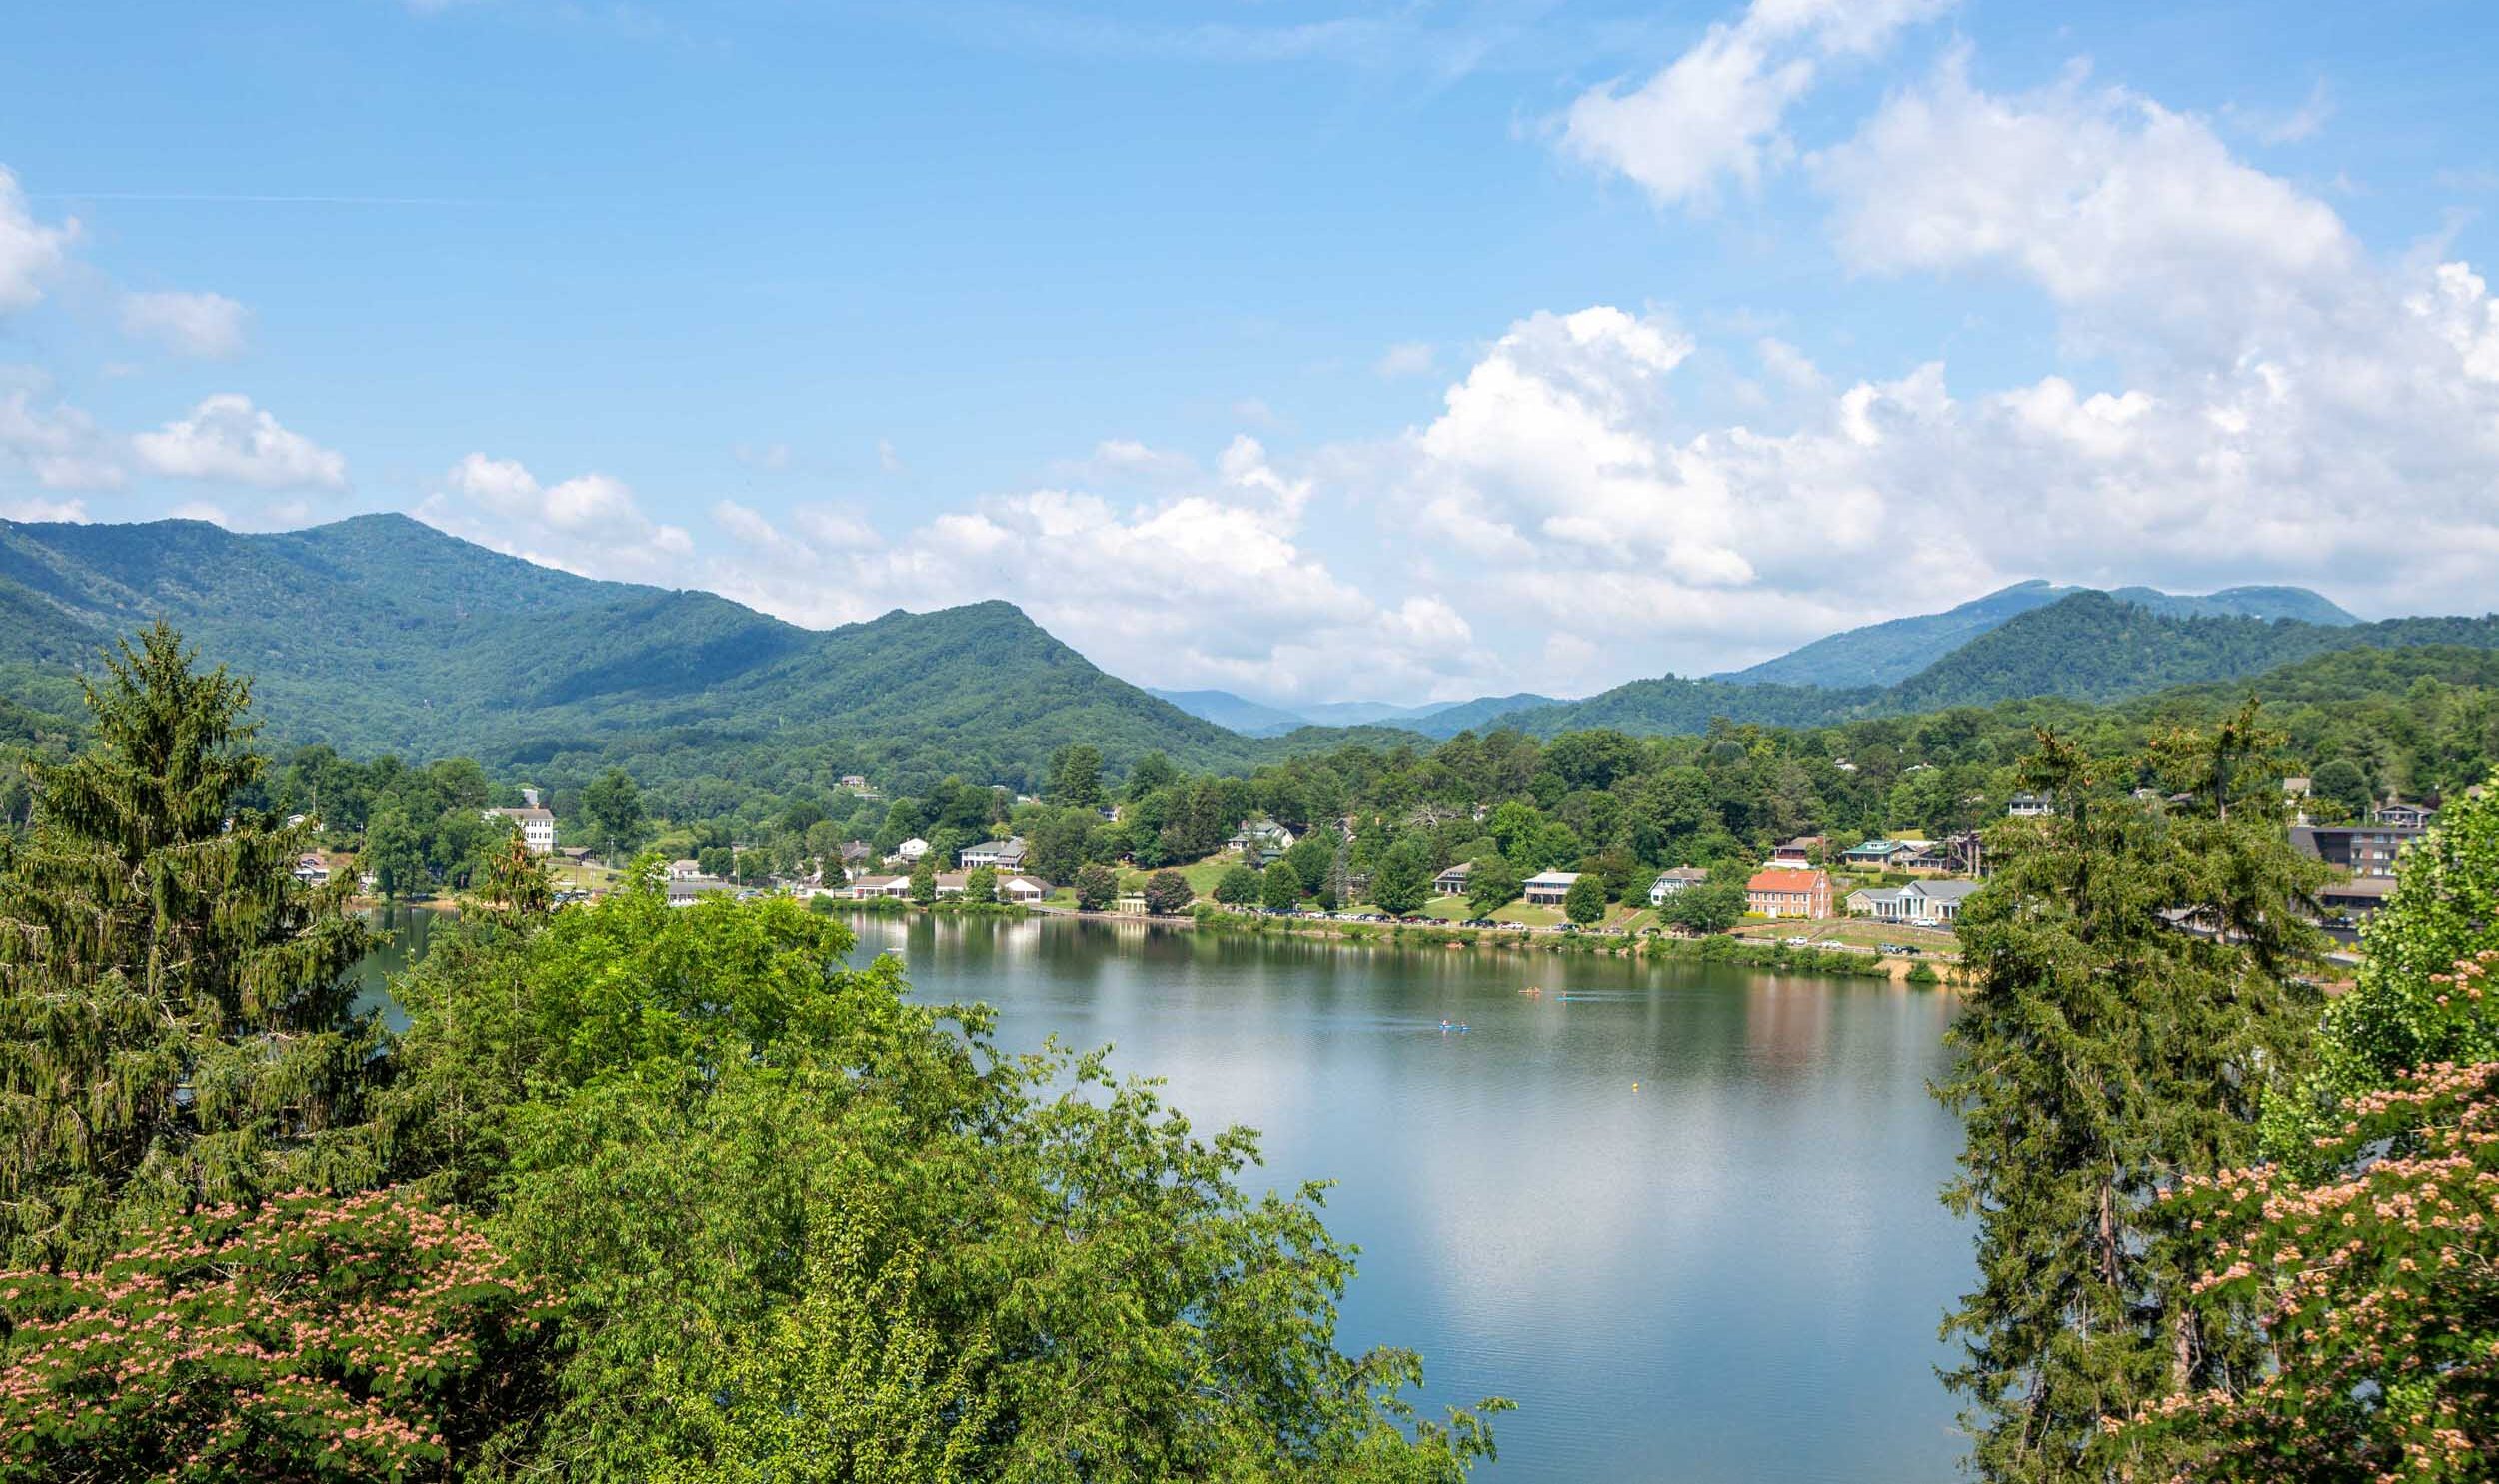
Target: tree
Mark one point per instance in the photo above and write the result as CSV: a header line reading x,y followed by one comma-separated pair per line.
x,y
981,887
2339,782
614,804
1705,907
176,1015
1492,885
403,1340
1585,903
2401,1015
395,855
720,863
923,877
2377,1290
1167,893
907,1256
2102,1053
1279,890
1075,778
1402,883
1095,886
1237,887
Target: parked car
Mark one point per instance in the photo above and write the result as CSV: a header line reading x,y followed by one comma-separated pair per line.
x,y
1800,943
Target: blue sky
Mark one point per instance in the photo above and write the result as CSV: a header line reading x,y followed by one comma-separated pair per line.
x,y
1313,351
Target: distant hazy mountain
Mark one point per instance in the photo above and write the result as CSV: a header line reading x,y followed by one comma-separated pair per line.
x,y
1887,653
382,633
1258,718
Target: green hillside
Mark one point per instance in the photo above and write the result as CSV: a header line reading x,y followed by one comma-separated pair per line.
x,y
2087,646
381,634
1892,652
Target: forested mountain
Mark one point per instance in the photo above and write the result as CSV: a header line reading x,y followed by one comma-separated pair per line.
x,y
381,634
2086,646
1888,652
1258,718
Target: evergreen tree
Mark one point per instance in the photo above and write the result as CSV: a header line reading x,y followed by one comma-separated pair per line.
x,y
923,877
176,1025
2134,996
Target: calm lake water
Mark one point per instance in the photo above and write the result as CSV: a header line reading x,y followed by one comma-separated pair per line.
x,y
1732,1274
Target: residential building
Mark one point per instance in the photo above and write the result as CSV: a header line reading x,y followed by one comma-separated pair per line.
x,y
2402,815
1875,855
854,782
1784,892
1668,882
1452,882
1883,902
683,871
1128,905
1798,853
2362,849
1261,840
869,888
310,871
1934,903
950,883
538,828
855,853
1023,890
686,894
997,854
910,850
1549,888
2030,807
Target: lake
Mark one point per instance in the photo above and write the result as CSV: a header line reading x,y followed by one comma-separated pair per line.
x,y
1732,1274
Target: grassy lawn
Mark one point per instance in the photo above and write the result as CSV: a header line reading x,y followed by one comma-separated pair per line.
x,y
1200,878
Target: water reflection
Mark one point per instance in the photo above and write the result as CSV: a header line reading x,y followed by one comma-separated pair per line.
x,y
1732,1273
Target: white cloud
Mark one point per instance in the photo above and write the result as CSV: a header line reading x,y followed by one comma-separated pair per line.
x,y
30,251
2275,126
589,524
1715,112
200,509
2133,218
210,326
1405,359
55,442
227,438
38,509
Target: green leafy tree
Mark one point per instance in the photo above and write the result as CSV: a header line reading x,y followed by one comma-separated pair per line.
x,y
1278,889
176,1015
1402,886
1237,887
614,805
2401,1013
923,877
1585,903
1492,886
981,887
1097,885
907,1256
1167,893
1075,778
1705,907
375,1336
2340,782
2103,1053
720,863
395,855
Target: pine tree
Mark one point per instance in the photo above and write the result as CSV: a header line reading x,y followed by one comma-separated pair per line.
x,y
2135,994
176,1022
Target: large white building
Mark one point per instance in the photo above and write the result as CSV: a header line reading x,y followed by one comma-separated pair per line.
x,y
538,828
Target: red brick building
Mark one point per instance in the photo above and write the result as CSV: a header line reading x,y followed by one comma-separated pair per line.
x,y
1786,892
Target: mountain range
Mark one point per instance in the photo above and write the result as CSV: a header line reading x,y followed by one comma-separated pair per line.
x,y
381,634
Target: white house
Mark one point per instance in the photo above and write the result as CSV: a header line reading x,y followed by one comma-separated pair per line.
x,y
1668,882
1452,882
867,888
1023,890
2029,806
911,850
683,871
997,854
1549,888
538,828
686,894
1264,839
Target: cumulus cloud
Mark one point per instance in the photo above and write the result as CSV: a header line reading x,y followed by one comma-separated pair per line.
x,y
57,443
228,440
1716,112
209,326
589,524
30,251
39,509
